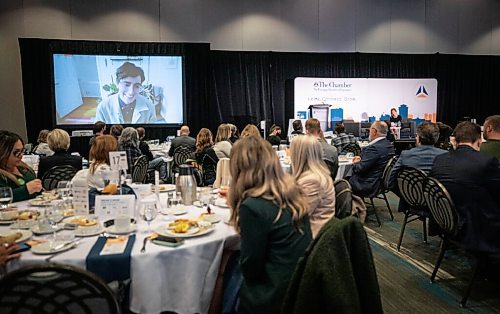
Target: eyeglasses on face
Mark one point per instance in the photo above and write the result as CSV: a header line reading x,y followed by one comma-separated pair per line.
x,y
18,153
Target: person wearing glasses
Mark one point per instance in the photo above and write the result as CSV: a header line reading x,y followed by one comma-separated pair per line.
x,y
127,106
14,173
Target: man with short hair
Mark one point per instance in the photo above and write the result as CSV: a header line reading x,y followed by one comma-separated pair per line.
x,y
473,181
154,163
491,133
342,139
99,129
274,135
182,140
368,168
330,153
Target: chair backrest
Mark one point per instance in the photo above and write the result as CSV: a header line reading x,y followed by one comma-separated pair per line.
x,y
223,175
140,169
181,154
209,169
343,198
334,168
411,186
56,174
387,171
441,206
55,288
351,148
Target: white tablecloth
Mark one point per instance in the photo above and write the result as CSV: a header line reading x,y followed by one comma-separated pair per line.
x,y
178,279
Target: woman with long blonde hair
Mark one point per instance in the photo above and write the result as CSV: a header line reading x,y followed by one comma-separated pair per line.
x,y
313,176
269,212
250,130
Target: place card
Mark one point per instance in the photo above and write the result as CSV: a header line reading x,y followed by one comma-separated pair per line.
x,y
114,246
111,206
80,196
118,160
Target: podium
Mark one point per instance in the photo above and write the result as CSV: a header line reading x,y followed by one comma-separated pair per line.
x,y
320,112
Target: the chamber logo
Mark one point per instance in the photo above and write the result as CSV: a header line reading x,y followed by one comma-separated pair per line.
x,y
421,92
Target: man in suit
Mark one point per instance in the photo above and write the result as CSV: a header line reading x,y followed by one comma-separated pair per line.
x,y
421,157
473,181
368,168
183,140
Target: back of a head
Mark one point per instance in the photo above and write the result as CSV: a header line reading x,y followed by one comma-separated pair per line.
x,y
467,132
104,144
250,130
297,125
184,130
116,130
223,133
339,128
42,136
313,126
493,122
58,140
204,139
99,126
141,132
129,137
428,133
306,154
381,127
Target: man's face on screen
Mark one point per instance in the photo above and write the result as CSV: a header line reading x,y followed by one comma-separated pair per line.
x,y
128,88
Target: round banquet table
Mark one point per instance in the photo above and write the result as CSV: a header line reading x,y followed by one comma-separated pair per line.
x,y
180,279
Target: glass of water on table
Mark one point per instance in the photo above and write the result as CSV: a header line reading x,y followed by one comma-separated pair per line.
x,y
6,197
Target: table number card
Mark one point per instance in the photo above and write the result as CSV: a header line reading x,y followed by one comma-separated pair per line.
x,y
110,206
118,160
80,197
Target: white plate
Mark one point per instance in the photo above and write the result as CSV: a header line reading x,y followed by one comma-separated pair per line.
x,y
26,234
69,219
181,210
89,231
8,216
36,230
46,247
213,218
112,229
23,224
165,188
6,222
39,202
192,232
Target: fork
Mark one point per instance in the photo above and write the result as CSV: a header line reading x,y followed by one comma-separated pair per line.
x,y
72,244
144,242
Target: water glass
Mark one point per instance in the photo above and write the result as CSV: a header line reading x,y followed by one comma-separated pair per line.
x,y
204,197
5,197
148,210
54,215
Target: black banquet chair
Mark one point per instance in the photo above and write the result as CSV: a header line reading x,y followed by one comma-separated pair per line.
x,y
180,155
140,169
55,288
56,174
410,185
443,211
351,148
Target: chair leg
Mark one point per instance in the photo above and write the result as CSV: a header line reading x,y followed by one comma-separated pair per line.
x,y
444,244
424,229
375,212
388,206
403,226
479,262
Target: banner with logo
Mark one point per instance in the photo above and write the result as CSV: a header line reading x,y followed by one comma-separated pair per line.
x,y
363,99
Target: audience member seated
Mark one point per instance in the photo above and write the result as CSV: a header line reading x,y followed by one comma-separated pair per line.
x,y
445,131
312,175
116,131
43,147
297,128
129,142
58,141
158,163
390,135
223,145
235,133
473,181
368,168
330,153
99,129
491,133
14,173
249,130
274,135
269,213
342,139
205,156
182,140
99,161
421,157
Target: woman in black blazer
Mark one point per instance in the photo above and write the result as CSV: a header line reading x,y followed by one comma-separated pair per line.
x,y
58,142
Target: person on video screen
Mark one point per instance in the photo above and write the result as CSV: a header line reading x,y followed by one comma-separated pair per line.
x,y
127,106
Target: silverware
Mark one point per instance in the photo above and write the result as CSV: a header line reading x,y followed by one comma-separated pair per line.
x,y
60,246
144,242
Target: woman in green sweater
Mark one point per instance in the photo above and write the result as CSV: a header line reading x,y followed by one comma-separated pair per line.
x,y
269,212
14,172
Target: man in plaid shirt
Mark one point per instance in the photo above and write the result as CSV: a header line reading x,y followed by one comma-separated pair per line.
x,y
342,138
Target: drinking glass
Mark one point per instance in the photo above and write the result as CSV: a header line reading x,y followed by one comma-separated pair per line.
x,y
54,215
204,197
64,190
148,210
5,197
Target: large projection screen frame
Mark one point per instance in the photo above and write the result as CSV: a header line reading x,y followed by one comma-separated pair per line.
x,y
118,54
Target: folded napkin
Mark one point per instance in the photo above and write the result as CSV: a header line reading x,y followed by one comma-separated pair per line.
x,y
110,266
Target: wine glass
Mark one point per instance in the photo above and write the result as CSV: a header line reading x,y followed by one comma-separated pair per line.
x,y
204,198
54,215
5,197
148,210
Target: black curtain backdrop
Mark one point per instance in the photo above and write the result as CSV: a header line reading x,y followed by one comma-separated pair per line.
x,y
247,87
